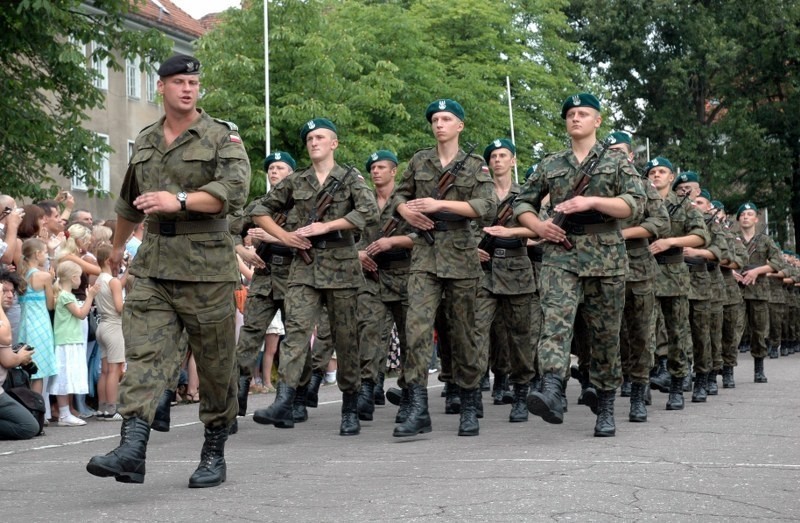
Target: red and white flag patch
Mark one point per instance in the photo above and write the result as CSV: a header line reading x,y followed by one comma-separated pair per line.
x,y
235,138
484,169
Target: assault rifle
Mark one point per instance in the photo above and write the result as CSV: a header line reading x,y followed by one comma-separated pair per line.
x,y
280,218
446,182
324,202
753,243
387,230
504,214
710,218
672,208
585,173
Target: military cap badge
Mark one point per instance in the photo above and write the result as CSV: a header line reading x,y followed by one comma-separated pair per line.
x,y
277,156
576,100
374,157
311,124
443,104
654,162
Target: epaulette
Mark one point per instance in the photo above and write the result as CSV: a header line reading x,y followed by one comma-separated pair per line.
x,y
230,125
149,126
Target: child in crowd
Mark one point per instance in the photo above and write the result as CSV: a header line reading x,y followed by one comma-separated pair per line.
x,y
109,336
72,377
35,328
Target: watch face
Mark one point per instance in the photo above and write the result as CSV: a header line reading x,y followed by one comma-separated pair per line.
x,y
181,196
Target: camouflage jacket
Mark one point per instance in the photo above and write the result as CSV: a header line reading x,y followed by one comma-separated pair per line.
x,y
594,254
331,268
641,263
685,220
764,252
507,276
720,246
707,284
738,255
454,253
208,157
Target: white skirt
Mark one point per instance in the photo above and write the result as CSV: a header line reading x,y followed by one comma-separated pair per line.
x,y
73,374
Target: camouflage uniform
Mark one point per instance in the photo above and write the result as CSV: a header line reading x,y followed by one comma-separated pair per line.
x,y
777,308
503,304
186,270
732,323
332,278
761,250
718,293
446,272
593,271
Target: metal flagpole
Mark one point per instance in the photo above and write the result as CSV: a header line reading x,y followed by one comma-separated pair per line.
x,y
511,121
266,82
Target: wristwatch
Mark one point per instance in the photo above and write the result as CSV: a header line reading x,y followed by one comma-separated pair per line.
x,y
181,196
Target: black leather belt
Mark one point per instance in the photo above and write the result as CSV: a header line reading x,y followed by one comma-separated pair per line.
x,y
670,256
592,228
697,268
510,253
188,227
280,259
394,264
637,243
535,253
334,244
443,225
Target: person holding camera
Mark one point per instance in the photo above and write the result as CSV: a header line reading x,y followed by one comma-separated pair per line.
x,y
16,422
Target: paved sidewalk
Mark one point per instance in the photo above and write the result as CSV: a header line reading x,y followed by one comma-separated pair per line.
x,y
734,458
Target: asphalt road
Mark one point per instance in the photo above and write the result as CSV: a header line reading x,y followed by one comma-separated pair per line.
x,y
734,458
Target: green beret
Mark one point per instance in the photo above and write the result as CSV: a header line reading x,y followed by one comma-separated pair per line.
x,y
718,205
686,177
705,194
618,137
500,143
749,206
579,100
447,105
279,156
530,171
179,64
316,123
787,251
382,154
658,161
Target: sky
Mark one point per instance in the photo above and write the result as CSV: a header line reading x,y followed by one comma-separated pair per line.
x,y
199,8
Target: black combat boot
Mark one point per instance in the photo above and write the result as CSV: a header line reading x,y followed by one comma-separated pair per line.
x,y
758,371
727,377
625,390
312,393
744,346
452,402
212,470
638,412
500,388
659,376
350,425
444,390
699,394
394,395
711,383
162,418
589,394
299,411
126,462
366,400
784,348
536,383
418,420
485,385
468,425
378,397
402,412
564,402
244,390
687,382
547,403
605,427
675,399
583,379
773,351
479,404
519,409
648,396
280,413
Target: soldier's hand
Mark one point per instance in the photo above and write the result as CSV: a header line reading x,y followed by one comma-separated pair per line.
x,y
418,220
551,232
160,201
483,256
367,263
749,277
498,231
660,246
576,204
691,251
424,205
260,234
315,229
378,246
250,257
293,239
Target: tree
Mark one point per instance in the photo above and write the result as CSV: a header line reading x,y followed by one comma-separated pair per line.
x,y
48,86
374,66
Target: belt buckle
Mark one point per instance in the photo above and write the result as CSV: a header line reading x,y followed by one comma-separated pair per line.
x,y
167,228
578,229
439,225
321,245
277,260
499,253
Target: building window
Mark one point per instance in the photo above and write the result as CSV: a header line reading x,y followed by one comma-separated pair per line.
x,y
133,77
130,150
100,65
152,82
102,175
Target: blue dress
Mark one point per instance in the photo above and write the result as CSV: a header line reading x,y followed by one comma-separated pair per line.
x,y
36,330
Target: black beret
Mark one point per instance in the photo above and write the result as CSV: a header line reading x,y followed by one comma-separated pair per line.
x,y
179,64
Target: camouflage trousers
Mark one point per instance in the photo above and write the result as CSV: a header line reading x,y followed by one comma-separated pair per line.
x,y
504,333
375,319
258,313
322,352
304,305
636,332
700,322
153,321
715,330
603,300
426,292
676,333
731,335
757,319
776,314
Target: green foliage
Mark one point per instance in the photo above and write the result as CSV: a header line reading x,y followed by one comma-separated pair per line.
x,y
374,66
48,87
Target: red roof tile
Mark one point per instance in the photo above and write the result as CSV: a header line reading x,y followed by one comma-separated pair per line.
x,y
173,17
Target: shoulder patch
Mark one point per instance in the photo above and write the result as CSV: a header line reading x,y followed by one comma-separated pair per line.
x,y
230,125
